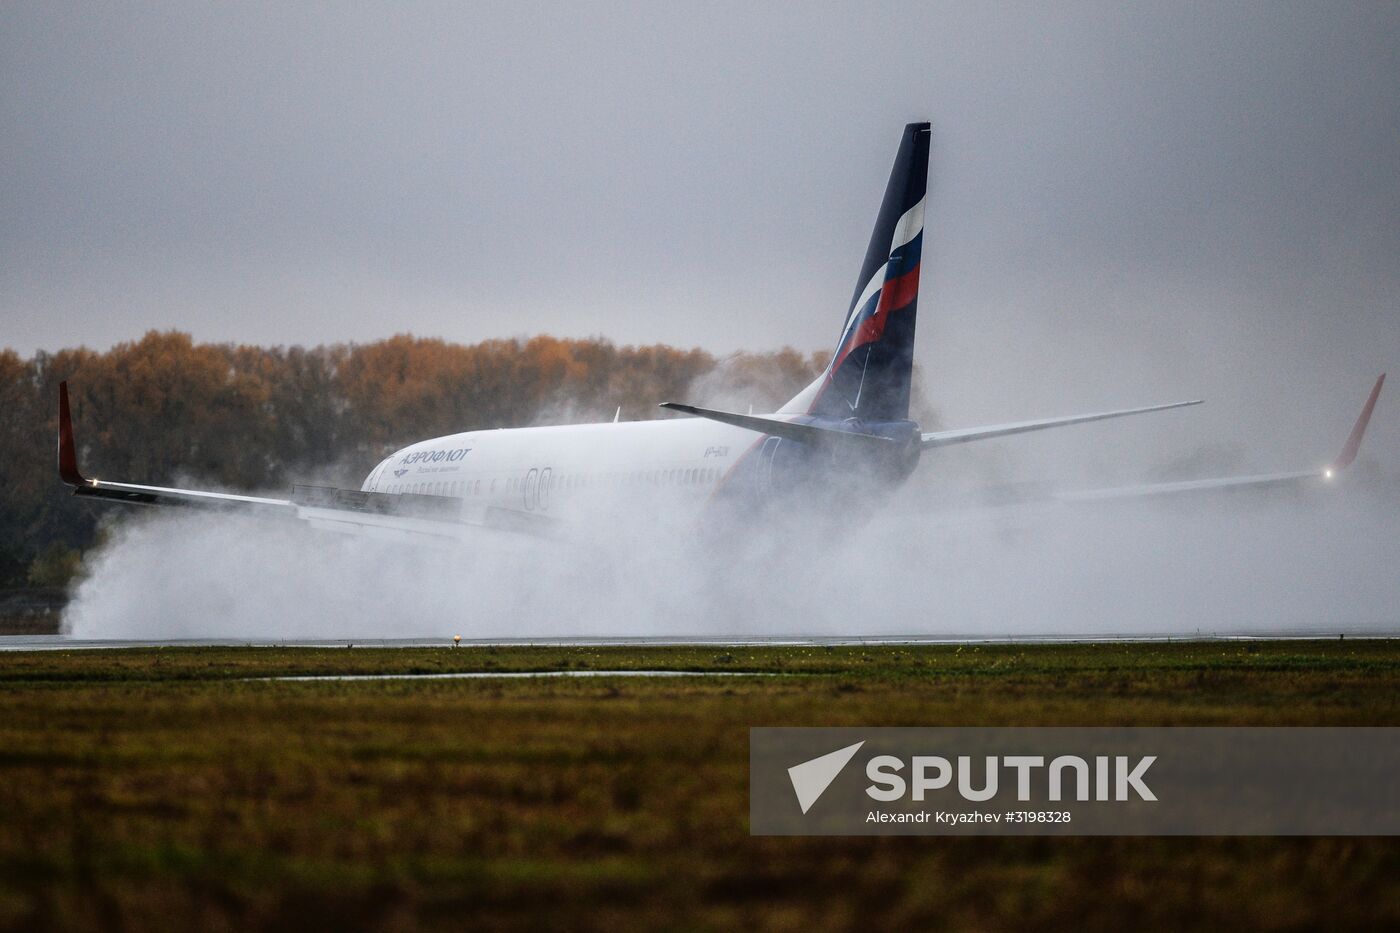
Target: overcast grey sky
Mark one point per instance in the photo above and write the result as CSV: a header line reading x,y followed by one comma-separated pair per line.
x,y
1128,205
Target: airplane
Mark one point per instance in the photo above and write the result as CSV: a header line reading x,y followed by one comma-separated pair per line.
x,y
846,434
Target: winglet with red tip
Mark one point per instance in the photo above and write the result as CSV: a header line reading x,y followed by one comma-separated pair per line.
x,y
1358,430
67,449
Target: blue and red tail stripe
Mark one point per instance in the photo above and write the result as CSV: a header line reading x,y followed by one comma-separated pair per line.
x,y
871,369
897,293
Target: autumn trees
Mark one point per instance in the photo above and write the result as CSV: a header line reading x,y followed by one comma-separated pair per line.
x,y
164,409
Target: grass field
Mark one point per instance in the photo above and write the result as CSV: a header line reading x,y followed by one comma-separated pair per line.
x,y
149,789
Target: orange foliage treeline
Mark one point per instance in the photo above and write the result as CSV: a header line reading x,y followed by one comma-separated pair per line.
x,y
164,408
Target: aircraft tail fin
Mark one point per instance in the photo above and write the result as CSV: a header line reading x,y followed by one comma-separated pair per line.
x,y
870,371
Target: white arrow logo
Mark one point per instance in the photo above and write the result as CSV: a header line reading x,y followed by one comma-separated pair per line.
x,y
811,778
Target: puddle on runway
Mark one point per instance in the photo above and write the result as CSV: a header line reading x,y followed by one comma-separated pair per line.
x,y
491,675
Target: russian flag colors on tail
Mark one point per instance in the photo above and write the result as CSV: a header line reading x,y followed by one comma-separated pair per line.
x,y
870,371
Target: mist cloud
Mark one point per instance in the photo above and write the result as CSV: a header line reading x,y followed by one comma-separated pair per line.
x,y
1241,565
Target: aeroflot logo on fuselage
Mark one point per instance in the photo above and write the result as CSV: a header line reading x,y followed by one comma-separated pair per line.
x,y
436,456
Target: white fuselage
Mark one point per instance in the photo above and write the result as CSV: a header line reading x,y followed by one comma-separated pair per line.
x,y
558,471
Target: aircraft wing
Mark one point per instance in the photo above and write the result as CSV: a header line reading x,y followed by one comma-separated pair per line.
x,y
1322,474
1196,485
1256,481
400,517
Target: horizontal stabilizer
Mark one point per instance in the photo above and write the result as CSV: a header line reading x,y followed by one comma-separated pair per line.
x,y
789,430
964,435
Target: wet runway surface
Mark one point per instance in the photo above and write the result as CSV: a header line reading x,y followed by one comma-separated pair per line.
x,y
518,675
65,643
